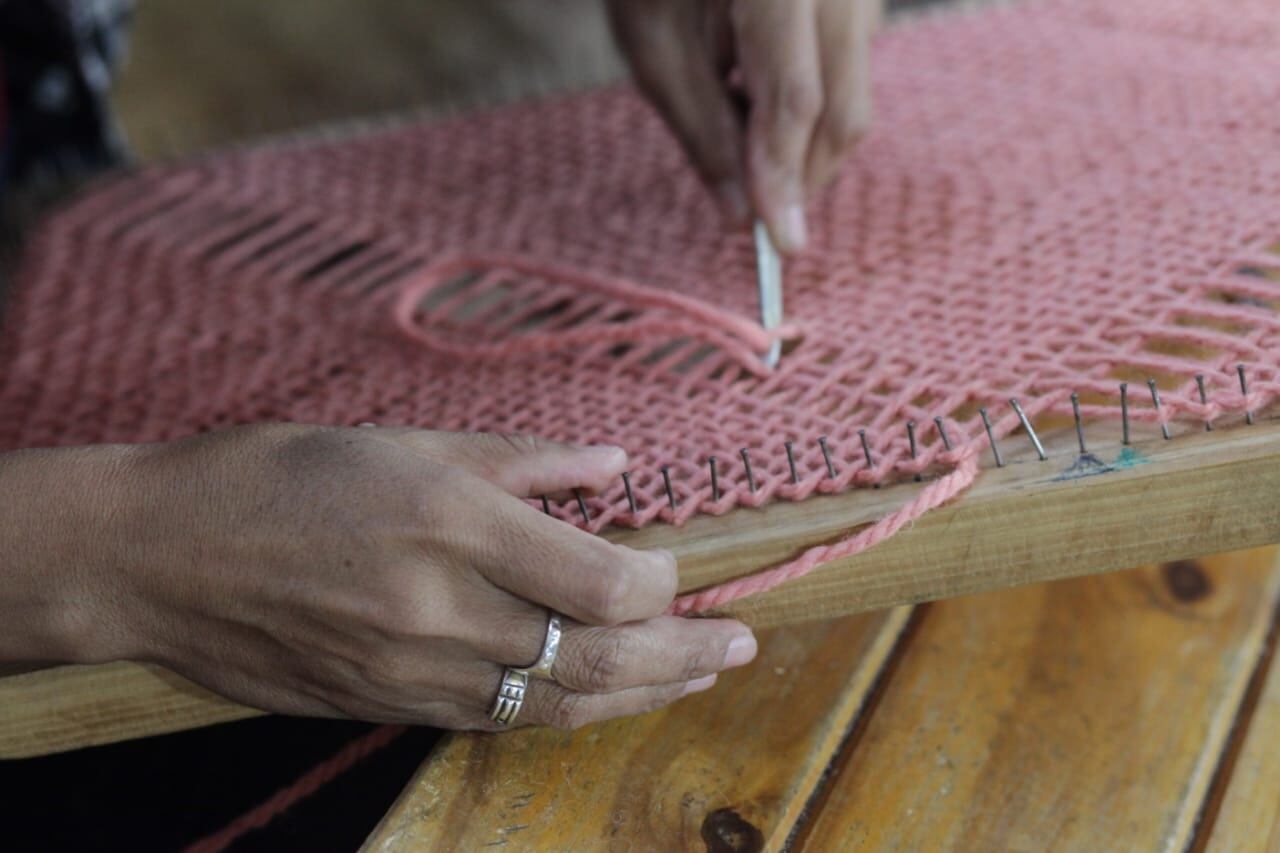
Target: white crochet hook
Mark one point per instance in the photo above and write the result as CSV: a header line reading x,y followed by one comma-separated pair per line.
x,y
769,275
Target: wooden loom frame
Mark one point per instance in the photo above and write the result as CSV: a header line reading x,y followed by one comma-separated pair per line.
x,y
1030,521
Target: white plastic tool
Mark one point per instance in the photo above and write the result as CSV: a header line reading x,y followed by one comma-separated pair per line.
x,y
769,274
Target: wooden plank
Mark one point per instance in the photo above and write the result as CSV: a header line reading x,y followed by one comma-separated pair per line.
x,y
76,706
1019,524
1249,815
1027,522
1089,714
740,761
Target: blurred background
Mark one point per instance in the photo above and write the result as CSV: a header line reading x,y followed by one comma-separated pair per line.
x,y
92,84
237,67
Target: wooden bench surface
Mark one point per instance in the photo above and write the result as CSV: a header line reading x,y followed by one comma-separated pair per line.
x,y
1121,711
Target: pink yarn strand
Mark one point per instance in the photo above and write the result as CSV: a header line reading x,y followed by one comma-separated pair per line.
x,y
934,495
304,786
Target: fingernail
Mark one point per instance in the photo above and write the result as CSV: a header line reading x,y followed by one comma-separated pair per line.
x,y
608,454
741,650
733,200
698,685
794,234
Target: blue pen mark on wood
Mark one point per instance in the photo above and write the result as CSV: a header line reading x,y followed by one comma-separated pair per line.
x,y
1086,465
1129,458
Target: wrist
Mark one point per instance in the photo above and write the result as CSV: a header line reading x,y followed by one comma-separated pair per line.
x,y
63,594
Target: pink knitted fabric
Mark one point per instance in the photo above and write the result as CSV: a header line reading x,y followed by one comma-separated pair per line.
x,y
1054,195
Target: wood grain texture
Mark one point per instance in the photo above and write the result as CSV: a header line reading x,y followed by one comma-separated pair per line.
x,y
70,707
1249,816
1089,714
740,761
1027,522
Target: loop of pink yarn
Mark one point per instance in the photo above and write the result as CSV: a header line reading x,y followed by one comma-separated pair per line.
x,y
932,496
738,337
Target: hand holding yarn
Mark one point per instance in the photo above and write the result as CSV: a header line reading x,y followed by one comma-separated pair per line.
x,y
800,66
390,575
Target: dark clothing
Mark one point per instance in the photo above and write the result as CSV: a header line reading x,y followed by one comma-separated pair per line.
x,y
57,59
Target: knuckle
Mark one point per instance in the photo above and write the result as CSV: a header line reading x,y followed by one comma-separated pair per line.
x,y
295,446
608,598
603,665
797,102
386,669
700,660
436,480
441,497
569,711
274,435
519,442
668,573
844,127
405,615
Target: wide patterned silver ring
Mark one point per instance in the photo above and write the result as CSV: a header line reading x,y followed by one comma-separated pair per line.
x,y
550,648
506,705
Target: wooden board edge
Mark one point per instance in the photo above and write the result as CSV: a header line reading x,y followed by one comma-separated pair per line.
x,y
73,707
1024,523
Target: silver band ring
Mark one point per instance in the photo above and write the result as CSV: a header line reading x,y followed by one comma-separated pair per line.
x,y
550,648
506,705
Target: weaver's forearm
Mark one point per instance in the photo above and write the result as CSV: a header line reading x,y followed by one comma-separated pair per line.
x,y
59,515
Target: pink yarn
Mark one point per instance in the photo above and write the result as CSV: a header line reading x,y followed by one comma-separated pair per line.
x,y
300,789
1055,195
934,495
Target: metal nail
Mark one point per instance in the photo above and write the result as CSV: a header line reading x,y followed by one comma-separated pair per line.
x,y
1204,400
991,437
911,441
791,461
626,484
1075,411
826,454
1026,425
1124,411
746,463
866,451
1244,389
715,478
666,481
942,431
1155,401
582,506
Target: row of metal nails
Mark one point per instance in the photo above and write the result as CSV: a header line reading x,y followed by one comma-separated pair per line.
x,y
714,462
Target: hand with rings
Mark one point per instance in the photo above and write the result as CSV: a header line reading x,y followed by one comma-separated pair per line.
x,y
384,574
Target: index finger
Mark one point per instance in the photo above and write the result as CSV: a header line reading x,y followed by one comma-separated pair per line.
x,y
778,53
570,571
673,57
